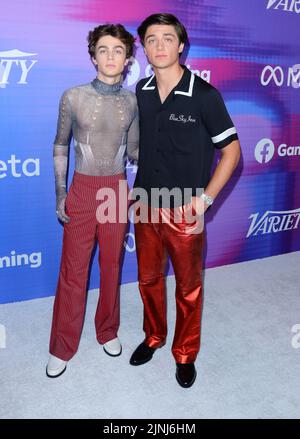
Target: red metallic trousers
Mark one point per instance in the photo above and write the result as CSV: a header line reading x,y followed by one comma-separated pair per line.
x,y
80,235
153,242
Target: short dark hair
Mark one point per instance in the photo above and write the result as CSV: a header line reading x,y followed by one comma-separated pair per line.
x,y
163,18
114,30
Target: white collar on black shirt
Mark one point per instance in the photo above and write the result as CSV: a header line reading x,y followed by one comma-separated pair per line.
x,y
188,93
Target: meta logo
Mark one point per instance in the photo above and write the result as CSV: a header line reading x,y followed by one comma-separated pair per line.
x,y
34,260
273,222
15,167
279,76
18,60
286,5
265,150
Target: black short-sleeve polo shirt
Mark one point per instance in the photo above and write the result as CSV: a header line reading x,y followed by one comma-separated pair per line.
x,y
178,137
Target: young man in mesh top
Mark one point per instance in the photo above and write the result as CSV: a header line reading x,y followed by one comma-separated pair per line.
x,y
102,117
182,119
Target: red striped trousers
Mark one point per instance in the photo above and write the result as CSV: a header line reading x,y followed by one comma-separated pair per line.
x,y
79,238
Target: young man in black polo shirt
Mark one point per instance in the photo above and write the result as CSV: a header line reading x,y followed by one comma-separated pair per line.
x,y
182,120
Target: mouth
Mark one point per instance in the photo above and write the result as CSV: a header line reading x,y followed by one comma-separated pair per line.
x,y
110,66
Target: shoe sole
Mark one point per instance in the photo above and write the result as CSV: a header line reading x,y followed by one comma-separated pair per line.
x,y
56,376
141,362
112,355
189,385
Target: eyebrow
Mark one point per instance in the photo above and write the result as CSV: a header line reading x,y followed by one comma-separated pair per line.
x,y
106,47
165,35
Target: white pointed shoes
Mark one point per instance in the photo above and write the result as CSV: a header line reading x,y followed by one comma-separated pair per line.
x,y
55,367
113,347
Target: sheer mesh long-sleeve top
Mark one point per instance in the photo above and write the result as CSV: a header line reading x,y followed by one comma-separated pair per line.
x,y
103,121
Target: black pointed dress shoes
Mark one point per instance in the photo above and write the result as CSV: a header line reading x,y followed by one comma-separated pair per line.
x,y
142,354
185,374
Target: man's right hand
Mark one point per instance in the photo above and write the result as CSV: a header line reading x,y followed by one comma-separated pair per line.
x,y
60,210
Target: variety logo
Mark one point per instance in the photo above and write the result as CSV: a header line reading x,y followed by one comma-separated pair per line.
x,y
265,150
273,222
34,260
29,167
286,5
15,59
280,76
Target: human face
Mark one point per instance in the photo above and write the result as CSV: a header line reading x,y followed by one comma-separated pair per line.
x,y
110,58
161,45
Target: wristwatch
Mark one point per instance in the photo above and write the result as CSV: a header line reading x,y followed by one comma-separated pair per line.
x,y
207,199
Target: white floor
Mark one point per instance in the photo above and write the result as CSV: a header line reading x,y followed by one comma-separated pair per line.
x,y
248,366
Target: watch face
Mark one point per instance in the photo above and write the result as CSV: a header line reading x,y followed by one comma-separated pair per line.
x,y
207,199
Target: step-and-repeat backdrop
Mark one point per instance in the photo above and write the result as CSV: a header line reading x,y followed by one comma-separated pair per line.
x,y
249,50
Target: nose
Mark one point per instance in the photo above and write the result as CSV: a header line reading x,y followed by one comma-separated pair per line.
x,y
160,44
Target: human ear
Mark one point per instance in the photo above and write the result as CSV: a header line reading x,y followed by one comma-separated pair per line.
x,y
181,47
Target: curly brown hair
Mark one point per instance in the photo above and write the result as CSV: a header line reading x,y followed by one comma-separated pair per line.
x,y
114,30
